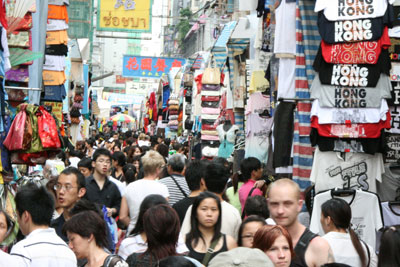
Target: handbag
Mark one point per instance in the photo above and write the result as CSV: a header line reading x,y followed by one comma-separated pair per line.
x,y
210,87
188,79
211,75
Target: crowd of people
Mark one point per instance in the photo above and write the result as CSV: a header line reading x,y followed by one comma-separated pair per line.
x,y
134,200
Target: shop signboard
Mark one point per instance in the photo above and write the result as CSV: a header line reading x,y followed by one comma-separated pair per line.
x,y
149,67
124,15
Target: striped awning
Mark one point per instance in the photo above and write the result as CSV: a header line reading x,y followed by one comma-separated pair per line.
x,y
219,49
235,47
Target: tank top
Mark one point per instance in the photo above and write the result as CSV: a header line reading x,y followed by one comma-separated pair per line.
x,y
199,256
300,249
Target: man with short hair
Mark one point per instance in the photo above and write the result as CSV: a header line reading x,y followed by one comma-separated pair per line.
x,y
70,187
176,183
99,189
194,175
41,246
216,177
284,205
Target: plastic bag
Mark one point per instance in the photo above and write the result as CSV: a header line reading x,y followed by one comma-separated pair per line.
x,y
48,130
15,137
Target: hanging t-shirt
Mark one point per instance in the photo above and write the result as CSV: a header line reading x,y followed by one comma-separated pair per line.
x,y
56,25
353,170
349,115
391,214
351,97
356,30
258,130
257,103
54,93
56,63
392,152
354,130
366,219
56,50
258,83
285,28
53,77
286,78
57,37
395,120
350,9
387,189
57,12
366,52
355,75
356,145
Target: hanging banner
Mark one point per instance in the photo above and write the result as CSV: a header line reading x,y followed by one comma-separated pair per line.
x,y
149,67
124,15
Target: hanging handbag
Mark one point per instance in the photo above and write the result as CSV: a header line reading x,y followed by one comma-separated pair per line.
x,y
74,113
211,75
48,130
15,136
188,79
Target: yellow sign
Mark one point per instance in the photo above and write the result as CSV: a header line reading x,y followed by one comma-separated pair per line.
x,y
124,15
56,109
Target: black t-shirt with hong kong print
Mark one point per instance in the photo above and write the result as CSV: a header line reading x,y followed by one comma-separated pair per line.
x,y
352,75
357,30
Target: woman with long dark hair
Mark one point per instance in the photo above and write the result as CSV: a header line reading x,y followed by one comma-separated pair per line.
x,y
276,242
136,242
161,226
346,247
205,235
390,247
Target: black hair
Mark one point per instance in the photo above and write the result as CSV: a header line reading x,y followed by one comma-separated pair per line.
x,y
340,213
37,201
163,150
389,250
128,134
167,141
129,171
251,218
177,162
247,166
216,177
176,146
86,162
101,152
144,149
176,261
90,141
195,171
119,157
195,235
256,205
88,223
149,201
117,144
80,179
85,205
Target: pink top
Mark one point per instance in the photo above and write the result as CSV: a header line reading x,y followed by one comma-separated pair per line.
x,y
245,190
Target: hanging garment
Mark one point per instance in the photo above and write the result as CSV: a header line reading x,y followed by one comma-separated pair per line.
x,y
258,130
227,140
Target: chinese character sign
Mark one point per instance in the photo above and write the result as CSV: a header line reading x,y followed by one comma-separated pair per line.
x,y
124,15
150,67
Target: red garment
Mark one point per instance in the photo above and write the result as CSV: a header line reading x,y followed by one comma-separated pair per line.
x,y
356,130
197,79
210,98
3,20
152,107
357,52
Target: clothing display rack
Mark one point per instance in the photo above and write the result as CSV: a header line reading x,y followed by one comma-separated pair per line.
x,y
22,88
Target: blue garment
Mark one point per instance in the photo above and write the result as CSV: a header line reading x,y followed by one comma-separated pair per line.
x,y
225,149
166,93
54,93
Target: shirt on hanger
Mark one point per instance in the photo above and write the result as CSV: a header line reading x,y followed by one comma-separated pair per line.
x,y
352,130
348,10
366,52
285,28
57,12
56,50
391,214
286,78
356,75
257,103
356,30
366,214
354,170
53,77
56,37
387,188
258,130
56,25
54,93
349,115
351,97
56,63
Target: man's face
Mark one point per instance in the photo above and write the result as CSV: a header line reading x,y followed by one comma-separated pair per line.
x,y
67,190
102,165
284,205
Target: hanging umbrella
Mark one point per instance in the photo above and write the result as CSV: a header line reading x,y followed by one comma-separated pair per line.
x,y
122,118
15,12
19,56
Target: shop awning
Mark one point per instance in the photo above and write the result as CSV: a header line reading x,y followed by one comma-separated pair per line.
x,y
219,49
235,47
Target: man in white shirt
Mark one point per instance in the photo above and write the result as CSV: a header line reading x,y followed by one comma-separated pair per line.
x,y
135,192
41,246
215,179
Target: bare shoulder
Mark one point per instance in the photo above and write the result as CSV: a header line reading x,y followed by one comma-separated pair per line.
x,y
319,252
230,242
319,244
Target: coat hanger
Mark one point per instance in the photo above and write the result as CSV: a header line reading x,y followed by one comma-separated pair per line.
x,y
265,113
343,192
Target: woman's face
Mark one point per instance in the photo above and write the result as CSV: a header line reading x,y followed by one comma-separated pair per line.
x,y
3,227
279,252
137,152
207,212
248,233
136,164
79,245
